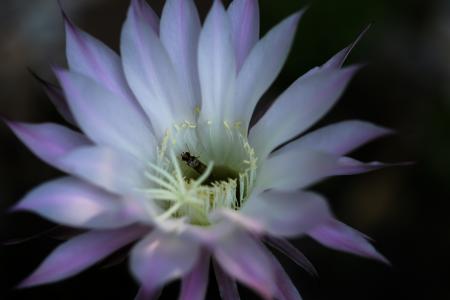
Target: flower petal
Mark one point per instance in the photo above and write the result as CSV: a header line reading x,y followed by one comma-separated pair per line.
x,y
80,253
244,17
48,141
150,72
90,57
107,168
56,96
287,214
338,60
180,30
227,286
292,170
216,65
285,247
243,258
146,295
262,66
195,284
338,236
160,258
350,166
339,138
300,106
288,291
105,117
71,202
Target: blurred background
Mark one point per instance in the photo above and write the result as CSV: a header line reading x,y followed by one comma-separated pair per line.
x,y
405,86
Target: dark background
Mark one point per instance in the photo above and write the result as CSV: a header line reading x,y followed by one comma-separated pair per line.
x,y
405,86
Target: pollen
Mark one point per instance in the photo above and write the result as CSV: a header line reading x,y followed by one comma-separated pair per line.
x,y
181,191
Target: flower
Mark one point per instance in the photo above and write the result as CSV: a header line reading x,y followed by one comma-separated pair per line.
x,y
166,157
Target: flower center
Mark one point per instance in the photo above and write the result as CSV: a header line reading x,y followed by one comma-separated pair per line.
x,y
202,168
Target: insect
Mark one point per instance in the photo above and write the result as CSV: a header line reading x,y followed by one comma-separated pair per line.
x,y
193,162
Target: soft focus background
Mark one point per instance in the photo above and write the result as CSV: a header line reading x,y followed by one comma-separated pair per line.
x,y
405,86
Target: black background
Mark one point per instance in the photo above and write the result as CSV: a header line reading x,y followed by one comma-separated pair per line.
x,y
405,86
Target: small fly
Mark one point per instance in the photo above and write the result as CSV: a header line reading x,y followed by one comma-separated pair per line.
x,y
193,162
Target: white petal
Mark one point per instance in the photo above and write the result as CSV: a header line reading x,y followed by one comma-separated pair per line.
x,y
300,106
71,202
106,118
244,17
243,258
112,170
161,258
80,253
262,67
150,72
291,170
287,214
339,138
180,30
216,65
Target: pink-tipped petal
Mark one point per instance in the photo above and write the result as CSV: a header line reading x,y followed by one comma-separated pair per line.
x,y
262,66
194,284
71,202
56,96
180,30
80,253
216,65
244,18
350,166
115,171
242,257
339,138
105,117
287,214
287,289
338,236
338,60
161,258
285,247
299,107
227,286
48,141
92,58
291,170
150,72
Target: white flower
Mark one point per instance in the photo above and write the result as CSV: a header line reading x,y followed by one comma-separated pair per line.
x,y
166,155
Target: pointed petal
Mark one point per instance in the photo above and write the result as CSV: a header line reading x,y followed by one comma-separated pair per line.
x,y
56,96
288,291
180,30
262,67
339,138
227,286
48,141
244,17
150,72
105,117
71,202
216,65
291,170
161,258
338,236
80,253
285,247
243,258
90,57
287,214
194,285
350,166
300,106
338,60
104,167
